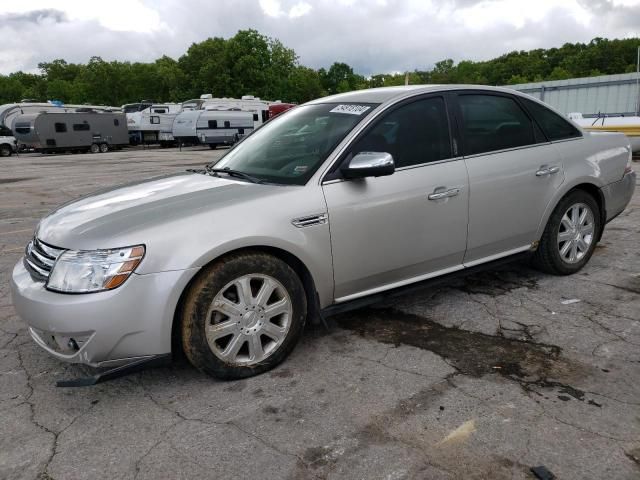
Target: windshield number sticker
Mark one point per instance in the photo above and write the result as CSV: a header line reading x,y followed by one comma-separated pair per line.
x,y
350,109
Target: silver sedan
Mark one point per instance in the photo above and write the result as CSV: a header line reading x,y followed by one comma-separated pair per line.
x,y
322,208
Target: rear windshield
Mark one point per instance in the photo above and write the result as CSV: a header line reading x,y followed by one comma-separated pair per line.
x,y
291,147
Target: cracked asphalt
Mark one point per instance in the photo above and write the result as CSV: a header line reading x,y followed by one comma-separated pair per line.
x,y
482,377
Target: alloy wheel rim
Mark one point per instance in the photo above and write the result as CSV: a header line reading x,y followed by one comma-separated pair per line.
x,y
575,234
248,319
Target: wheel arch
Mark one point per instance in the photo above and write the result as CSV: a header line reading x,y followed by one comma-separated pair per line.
x,y
298,266
586,186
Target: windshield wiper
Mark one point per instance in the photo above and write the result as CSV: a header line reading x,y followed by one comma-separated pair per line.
x,y
234,173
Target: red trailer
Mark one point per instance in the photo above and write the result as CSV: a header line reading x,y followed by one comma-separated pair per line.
x,y
277,108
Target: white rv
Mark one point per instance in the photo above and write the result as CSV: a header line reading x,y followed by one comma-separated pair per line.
x,y
248,103
212,127
153,124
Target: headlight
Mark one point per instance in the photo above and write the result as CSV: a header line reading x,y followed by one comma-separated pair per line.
x,y
93,271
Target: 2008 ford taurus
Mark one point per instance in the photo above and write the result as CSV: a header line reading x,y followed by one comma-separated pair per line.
x,y
338,199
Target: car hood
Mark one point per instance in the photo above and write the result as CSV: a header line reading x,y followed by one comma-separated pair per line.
x,y
118,214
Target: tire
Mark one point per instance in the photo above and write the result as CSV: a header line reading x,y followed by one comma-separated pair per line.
x,y
94,148
551,256
231,351
104,148
5,150
213,146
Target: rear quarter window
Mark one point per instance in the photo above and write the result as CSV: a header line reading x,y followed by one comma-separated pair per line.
x,y
553,125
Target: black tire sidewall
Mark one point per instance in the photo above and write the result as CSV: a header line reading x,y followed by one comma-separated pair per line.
x,y
5,151
202,292
553,253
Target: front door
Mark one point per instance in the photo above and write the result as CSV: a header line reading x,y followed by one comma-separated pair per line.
x,y
393,230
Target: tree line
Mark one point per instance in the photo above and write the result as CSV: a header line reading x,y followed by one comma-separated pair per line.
x,y
252,63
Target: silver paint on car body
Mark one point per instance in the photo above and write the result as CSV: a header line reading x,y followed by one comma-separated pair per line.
x,y
354,237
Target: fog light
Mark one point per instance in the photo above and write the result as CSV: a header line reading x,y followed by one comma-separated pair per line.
x,y
72,345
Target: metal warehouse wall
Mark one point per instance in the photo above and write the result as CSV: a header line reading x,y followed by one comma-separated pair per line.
x,y
610,94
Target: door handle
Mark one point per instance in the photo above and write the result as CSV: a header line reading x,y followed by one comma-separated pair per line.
x,y
447,193
545,170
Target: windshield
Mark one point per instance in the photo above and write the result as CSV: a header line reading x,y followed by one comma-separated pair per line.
x,y
291,147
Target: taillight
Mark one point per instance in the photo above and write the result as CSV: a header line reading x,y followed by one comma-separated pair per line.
x,y
628,168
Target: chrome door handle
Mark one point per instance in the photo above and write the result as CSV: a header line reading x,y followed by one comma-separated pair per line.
x,y
447,193
544,170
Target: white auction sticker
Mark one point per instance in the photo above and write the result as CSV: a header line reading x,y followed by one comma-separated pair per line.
x,y
350,109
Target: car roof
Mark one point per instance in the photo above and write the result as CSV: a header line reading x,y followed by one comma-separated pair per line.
x,y
385,94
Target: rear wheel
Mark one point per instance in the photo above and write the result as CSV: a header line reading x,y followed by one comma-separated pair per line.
x,y
243,315
213,146
94,148
5,150
570,236
104,148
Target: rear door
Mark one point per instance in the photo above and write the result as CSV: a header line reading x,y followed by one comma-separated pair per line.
x,y
513,173
392,230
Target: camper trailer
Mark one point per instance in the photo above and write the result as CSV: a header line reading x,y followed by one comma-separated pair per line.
x,y
212,127
153,124
278,107
9,111
90,130
248,103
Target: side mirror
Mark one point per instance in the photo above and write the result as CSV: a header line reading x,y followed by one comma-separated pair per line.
x,y
369,164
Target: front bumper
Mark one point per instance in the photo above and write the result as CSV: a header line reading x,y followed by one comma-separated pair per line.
x,y
617,195
105,328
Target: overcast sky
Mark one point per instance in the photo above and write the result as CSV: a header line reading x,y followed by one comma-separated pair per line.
x,y
373,36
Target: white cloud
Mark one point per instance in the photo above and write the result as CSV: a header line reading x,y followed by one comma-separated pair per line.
x,y
372,36
300,9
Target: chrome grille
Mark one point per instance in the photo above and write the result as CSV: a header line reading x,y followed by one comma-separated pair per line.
x,y
39,259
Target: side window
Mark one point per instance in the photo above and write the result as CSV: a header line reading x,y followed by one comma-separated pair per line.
x,y
213,124
116,122
492,122
415,133
77,127
155,119
227,124
60,127
255,117
5,131
554,126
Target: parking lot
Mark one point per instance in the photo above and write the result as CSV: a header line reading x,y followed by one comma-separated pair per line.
x,y
483,377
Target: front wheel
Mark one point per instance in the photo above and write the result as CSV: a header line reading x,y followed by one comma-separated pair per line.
x,y
570,236
243,315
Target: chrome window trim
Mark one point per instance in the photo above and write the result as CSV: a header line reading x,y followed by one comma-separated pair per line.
x,y
402,169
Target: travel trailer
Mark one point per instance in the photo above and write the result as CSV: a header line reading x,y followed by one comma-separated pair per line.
x,y
277,107
153,124
89,130
212,127
9,111
248,103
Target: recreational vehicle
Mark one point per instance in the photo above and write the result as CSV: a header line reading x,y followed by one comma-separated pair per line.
x,y
9,111
212,127
92,131
153,124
